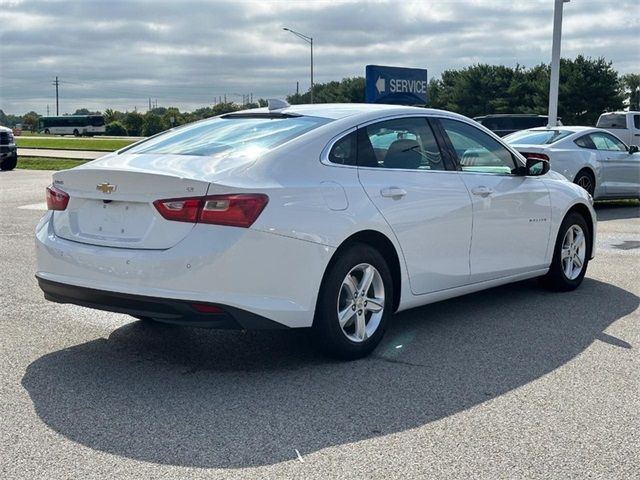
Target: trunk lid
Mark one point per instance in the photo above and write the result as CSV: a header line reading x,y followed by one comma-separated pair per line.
x,y
111,199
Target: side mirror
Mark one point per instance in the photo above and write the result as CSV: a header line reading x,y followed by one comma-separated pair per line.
x,y
536,167
633,149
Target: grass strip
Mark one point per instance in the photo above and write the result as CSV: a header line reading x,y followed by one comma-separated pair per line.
x,y
44,163
97,144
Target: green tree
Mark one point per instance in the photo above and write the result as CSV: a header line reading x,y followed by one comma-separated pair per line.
x,y
587,88
115,129
348,90
631,85
30,121
85,111
133,121
111,115
152,124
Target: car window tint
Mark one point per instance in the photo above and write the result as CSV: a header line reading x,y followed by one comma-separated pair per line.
x,y
344,150
636,121
477,151
603,141
584,142
404,143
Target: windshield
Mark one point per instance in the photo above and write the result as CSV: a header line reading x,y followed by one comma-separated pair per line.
x,y
231,136
536,137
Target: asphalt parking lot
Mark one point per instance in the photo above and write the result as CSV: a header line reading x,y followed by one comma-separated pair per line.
x,y
514,382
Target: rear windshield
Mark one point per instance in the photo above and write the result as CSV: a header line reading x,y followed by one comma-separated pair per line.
x,y
536,137
231,136
612,121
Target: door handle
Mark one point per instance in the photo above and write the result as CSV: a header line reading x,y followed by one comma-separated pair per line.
x,y
393,192
482,191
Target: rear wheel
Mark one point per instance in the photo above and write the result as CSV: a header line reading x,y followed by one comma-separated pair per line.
x,y
585,180
570,256
46,131
76,133
354,304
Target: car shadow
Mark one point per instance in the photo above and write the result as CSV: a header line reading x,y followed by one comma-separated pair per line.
x,y
199,398
613,210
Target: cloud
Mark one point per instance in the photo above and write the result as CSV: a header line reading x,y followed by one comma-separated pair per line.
x,y
119,53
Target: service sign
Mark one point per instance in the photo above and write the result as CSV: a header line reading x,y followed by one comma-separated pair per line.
x,y
396,85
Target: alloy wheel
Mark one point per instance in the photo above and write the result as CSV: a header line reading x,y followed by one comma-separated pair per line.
x,y
585,182
574,252
361,301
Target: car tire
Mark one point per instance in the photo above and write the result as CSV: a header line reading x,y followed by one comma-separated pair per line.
x,y
46,131
586,180
9,163
76,133
570,255
364,317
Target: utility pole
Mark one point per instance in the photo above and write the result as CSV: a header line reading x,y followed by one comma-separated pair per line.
x,y
149,103
56,83
297,89
554,81
47,109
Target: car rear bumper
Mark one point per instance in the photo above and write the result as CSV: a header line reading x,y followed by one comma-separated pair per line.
x,y
162,309
264,274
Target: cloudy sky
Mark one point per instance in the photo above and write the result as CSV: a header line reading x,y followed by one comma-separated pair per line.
x,y
187,53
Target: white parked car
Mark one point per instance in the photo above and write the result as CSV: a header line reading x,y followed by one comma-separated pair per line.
x,y
323,216
593,158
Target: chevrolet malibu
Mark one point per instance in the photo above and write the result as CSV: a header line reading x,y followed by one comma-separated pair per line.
x,y
324,216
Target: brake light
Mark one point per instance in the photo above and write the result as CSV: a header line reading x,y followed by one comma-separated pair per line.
x,y
237,210
206,308
179,209
56,198
536,156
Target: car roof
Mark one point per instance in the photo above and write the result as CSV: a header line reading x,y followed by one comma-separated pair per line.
x,y
567,128
336,111
516,115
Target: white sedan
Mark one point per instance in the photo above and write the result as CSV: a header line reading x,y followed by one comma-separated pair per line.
x,y
324,216
591,157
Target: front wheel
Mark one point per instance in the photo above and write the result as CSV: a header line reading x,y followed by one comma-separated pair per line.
x,y
354,304
76,133
46,131
570,256
9,163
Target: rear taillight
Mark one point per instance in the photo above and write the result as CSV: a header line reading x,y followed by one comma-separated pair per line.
x,y
237,210
179,209
536,156
56,198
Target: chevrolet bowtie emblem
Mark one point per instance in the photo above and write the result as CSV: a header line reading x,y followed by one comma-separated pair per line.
x,y
106,187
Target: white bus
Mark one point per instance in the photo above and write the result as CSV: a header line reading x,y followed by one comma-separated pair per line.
x,y
72,124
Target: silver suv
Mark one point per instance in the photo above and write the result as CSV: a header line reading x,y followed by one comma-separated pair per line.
x,y
8,150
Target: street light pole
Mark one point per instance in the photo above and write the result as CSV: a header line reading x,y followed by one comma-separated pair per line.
x,y
309,40
554,81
